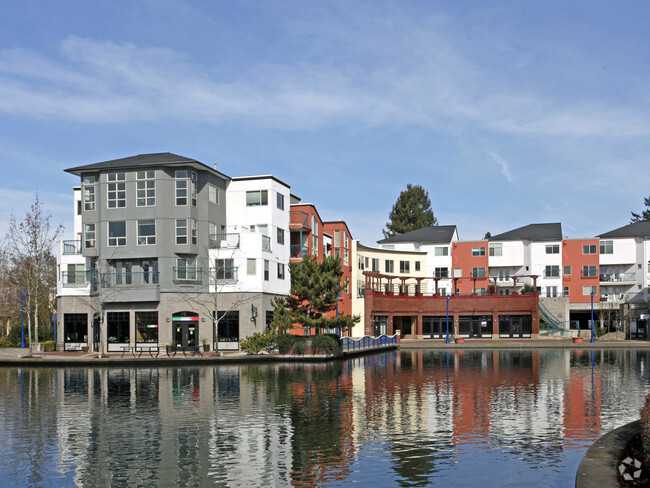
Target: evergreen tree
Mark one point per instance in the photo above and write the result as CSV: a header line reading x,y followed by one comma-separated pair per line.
x,y
644,215
411,211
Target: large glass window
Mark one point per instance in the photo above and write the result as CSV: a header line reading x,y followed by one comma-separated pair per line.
x,y
213,194
552,271
145,188
257,198
181,231
75,327
228,326
389,266
186,269
478,272
375,264
478,251
182,187
606,247
89,236
225,269
588,290
442,251
495,249
89,192
589,271
404,267
515,325
116,190
76,274
117,233
146,232
150,271
117,324
146,327
251,266
589,249
552,249
442,272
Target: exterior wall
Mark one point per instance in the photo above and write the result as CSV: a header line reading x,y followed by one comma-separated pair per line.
x,y
573,256
540,258
339,247
303,218
464,261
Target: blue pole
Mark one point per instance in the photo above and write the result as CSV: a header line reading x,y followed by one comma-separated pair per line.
x,y
54,318
593,339
22,321
447,339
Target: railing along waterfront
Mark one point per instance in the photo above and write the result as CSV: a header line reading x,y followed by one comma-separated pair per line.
x,y
368,342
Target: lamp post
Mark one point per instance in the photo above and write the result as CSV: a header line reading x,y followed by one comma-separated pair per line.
x,y
593,339
447,338
22,320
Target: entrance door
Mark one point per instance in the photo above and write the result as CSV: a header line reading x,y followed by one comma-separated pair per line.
x,y
185,328
96,332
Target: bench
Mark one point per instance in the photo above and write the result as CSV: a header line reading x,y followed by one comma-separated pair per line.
x,y
72,347
124,350
150,348
193,350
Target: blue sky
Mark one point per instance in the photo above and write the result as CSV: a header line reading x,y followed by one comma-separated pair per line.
x,y
508,113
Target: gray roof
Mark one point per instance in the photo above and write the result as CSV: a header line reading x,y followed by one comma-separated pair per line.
x,y
532,232
142,160
434,234
636,229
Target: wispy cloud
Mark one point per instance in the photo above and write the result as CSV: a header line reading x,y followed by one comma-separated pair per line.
x,y
505,169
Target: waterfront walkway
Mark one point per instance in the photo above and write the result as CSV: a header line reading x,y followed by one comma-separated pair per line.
x,y
18,356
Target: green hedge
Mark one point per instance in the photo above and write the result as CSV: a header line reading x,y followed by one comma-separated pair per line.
x,y
327,344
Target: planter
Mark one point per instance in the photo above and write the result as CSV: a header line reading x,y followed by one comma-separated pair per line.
x,y
460,340
206,347
84,349
577,340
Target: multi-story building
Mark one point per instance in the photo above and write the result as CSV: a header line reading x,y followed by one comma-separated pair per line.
x,y
166,247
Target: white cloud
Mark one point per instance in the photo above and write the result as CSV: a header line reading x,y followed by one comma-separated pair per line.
x,y
505,169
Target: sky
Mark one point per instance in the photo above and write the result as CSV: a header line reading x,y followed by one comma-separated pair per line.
x,y
507,112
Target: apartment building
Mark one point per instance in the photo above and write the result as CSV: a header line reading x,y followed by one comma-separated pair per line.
x,y
165,248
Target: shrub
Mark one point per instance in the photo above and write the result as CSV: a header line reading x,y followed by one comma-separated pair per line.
x,y
14,335
645,426
258,342
300,346
285,342
5,342
327,344
601,331
49,346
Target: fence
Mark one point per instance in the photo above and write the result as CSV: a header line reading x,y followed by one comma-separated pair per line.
x,y
368,342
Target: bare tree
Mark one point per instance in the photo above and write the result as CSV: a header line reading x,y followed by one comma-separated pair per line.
x,y
29,248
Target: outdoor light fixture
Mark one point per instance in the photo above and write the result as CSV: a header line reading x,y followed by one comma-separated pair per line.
x,y
253,313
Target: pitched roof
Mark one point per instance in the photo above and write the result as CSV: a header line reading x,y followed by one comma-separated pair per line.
x,y
636,229
532,232
432,234
142,160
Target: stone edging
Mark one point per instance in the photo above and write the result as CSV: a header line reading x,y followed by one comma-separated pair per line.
x,y
598,466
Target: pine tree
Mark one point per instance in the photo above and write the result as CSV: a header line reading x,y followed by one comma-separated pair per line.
x,y
411,211
644,215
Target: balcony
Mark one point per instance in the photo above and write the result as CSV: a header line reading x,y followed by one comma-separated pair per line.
x,y
227,273
625,278
612,297
224,241
298,252
74,278
125,279
300,220
188,273
71,247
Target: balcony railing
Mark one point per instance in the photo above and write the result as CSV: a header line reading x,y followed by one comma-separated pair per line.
x,y
127,279
266,243
617,277
298,251
612,297
224,241
228,273
188,273
300,219
71,247
74,278
551,274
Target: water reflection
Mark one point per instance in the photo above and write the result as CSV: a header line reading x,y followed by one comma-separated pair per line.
x,y
407,418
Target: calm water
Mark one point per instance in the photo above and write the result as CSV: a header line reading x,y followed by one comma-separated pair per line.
x,y
473,418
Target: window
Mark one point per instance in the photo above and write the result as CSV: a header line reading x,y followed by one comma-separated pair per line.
x,y
346,257
89,192
225,269
606,247
552,271
146,232
478,251
375,264
150,271
588,290
314,225
193,188
280,236
76,275
389,266
589,271
345,240
442,272
314,245
257,198
213,194
117,233
589,249
551,291
117,327
228,326
186,269
75,327
552,249
346,285
566,291
182,186
458,272
194,232
417,266
280,201
116,190
479,291
404,266
367,261
337,238
280,271
478,272
145,188
181,231
146,327
495,248
442,251
251,266
89,236
566,270
266,270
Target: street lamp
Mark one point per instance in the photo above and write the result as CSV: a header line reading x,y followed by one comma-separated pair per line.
x,y
22,320
447,338
593,339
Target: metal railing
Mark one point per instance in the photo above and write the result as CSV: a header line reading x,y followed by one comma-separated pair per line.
x,y
128,278
188,273
74,278
617,277
367,342
224,241
298,251
300,218
71,247
227,273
